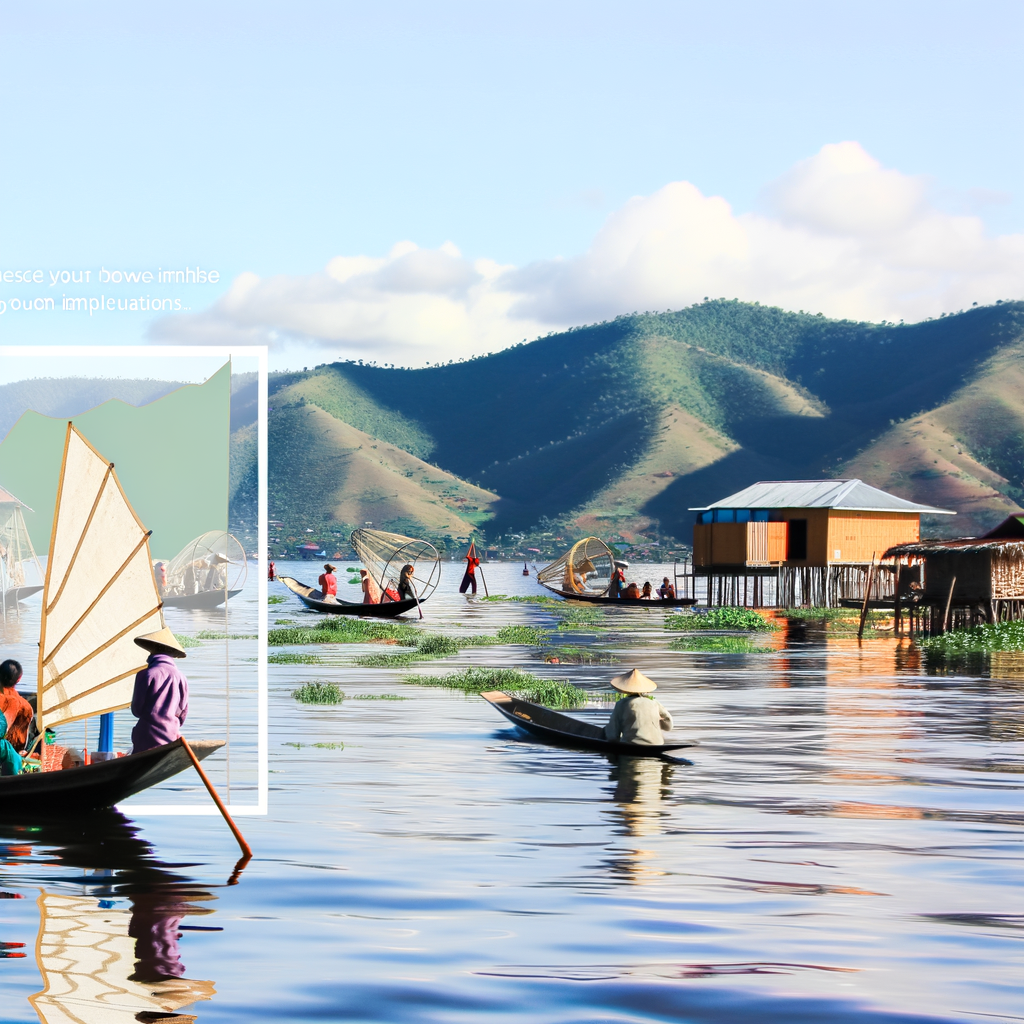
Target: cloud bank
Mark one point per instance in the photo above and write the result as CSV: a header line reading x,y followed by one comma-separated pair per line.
x,y
837,234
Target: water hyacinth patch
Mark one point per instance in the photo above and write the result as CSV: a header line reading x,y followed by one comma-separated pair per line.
x,y
521,635
289,658
513,681
318,692
581,619
187,641
275,599
529,599
718,645
390,660
722,618
984,639
345,630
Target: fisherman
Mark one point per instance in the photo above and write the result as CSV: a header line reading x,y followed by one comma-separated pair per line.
x,y
638,718
405,587
617,582
666,591
160,698
371,592
17,716
328,584
469,579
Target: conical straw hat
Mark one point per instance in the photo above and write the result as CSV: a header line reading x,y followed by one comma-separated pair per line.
x,y
634,682
163,641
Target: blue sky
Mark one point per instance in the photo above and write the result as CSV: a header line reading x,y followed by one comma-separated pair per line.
x,y
268,140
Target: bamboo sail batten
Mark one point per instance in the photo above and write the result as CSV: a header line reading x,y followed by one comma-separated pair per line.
x,y
99,575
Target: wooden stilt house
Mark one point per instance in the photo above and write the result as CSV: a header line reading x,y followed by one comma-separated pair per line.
x,y
795,542
968,580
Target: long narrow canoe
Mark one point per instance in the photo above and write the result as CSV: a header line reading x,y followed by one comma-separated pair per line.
x,y
207,599
93,786
625,602
311,599
565,731
20,593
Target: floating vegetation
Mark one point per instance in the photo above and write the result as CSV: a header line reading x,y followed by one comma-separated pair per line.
x,y
521,635
528,599
390,660
718,645
513,681
377,696
187,641
582,619
839,620
345,630
985,639
322,746
568,655
437,645
275,599
291,658
209,634
722,618
318,692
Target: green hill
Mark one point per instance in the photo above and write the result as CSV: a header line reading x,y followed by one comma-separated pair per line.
x,y
618,428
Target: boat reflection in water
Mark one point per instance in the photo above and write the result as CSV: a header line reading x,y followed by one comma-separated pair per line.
x,y
111,955
641,785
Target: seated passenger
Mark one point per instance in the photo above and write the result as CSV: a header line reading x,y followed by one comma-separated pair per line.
x,y
632,591
647,591
371,592
666,591
328,584
16,710
618,581
638,718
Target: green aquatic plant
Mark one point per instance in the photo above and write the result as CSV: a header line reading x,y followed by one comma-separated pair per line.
x,y
519,634
322,746
526,599
718,645
722,618
581,619
377,696
570,655
345,630
984,639
275,599
210,634
437,645
390,660
291,658
318,692
187,641
513,681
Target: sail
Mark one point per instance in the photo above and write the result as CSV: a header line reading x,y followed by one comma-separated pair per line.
x,y
384,554
99,594
87,956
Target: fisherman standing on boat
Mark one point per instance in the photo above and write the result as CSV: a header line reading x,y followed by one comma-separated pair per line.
x,y
638,718
328,584
469,578
405,587
160,699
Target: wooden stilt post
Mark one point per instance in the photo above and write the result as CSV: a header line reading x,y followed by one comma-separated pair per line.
x,y
949,602
867,598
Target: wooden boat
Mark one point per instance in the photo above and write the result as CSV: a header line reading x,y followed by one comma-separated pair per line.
x,y
591,559
312,599
565,731
208,599
16,594
98,785
99,594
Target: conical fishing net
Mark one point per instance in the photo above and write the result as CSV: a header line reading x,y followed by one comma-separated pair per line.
x,y
214,561
386,554
586,568
19,566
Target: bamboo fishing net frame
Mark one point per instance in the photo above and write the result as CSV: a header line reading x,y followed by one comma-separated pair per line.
x,y
590,557
213,561
384,554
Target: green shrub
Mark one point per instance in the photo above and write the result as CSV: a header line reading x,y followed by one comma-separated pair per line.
x,y
722,618
318,692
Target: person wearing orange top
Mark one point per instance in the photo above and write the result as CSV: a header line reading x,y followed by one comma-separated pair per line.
x,y
328,584
16,710
469,579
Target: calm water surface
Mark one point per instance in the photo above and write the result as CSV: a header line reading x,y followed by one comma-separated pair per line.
x,y
846,847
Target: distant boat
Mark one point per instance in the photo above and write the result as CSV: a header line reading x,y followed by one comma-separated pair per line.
x,y
526,569
384,555
206,573
16,554
584,573
99,594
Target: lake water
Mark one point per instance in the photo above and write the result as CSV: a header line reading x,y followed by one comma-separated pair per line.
x,y
847,846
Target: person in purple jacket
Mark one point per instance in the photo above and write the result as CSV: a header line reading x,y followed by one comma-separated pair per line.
x,y
160,699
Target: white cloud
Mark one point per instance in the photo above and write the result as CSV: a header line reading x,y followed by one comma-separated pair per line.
x,y
838,233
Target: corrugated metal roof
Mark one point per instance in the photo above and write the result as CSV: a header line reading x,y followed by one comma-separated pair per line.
x,y
854,495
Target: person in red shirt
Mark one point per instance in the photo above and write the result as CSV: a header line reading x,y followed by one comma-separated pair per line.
x,y
270,572
16,710
469,579
328,584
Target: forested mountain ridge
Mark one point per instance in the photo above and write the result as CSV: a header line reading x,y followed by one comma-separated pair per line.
x,y
618,428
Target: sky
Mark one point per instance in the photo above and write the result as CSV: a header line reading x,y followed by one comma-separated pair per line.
x,y
415,183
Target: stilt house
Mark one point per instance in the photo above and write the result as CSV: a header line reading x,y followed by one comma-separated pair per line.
x,y
813,540
970,579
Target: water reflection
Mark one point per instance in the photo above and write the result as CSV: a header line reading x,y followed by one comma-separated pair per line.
x,y
109,929
641,786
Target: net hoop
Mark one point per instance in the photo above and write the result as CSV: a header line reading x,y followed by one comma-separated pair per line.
x,y
384,554
586,568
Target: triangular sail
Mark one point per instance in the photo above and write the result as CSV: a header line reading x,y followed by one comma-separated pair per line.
x,y
384,554
100,592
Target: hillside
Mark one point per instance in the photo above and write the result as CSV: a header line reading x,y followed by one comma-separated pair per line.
x,y
620,427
